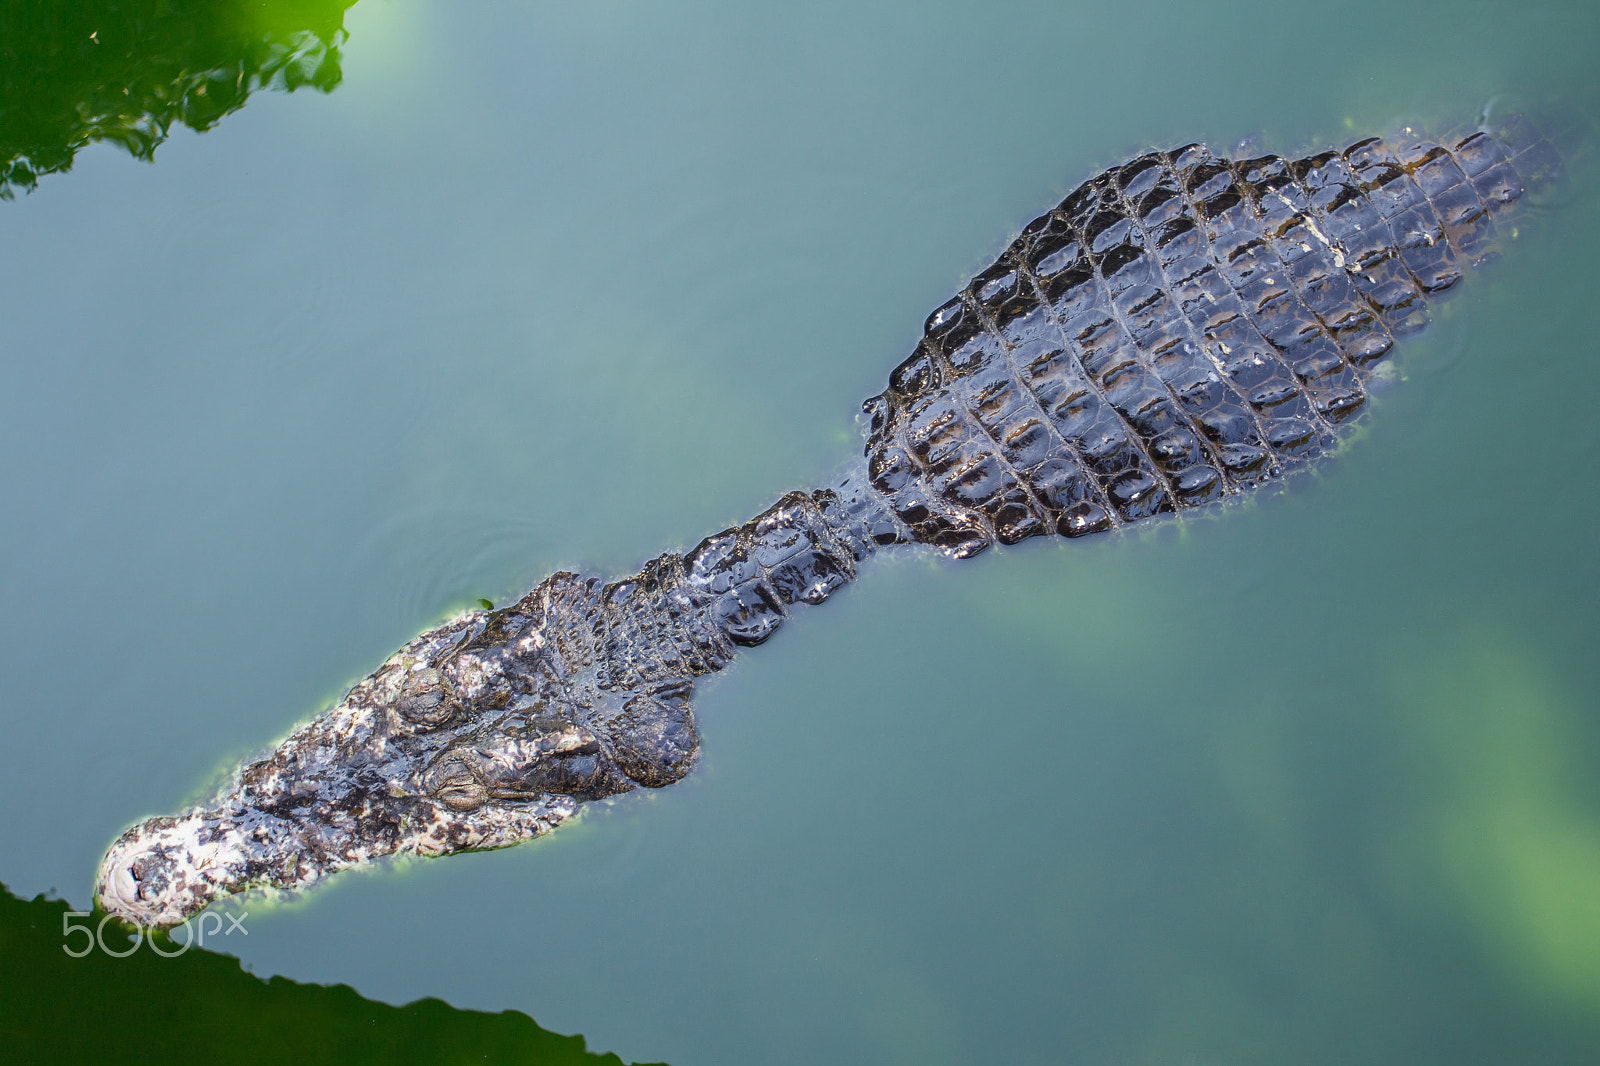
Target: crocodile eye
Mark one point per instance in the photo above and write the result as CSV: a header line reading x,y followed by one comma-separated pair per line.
x,y
462,794
426,701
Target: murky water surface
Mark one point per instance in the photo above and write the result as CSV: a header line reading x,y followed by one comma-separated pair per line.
x,y
535,286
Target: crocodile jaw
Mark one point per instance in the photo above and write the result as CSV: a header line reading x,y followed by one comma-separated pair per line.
x,y
337,793
166,870
407,763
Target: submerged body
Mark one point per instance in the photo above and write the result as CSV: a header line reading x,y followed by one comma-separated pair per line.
x,y
1180,329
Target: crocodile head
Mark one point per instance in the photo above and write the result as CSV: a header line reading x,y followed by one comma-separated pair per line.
x,y
465,739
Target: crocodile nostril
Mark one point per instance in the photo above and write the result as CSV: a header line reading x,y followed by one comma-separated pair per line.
x,y
124,886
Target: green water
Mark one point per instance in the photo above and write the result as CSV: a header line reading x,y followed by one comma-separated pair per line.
x,y
535,286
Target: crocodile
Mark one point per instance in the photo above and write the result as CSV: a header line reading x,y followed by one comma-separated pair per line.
x,y
1180,330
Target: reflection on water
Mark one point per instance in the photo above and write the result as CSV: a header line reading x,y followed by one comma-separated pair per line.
x,y
62,1006
125,72
1505,820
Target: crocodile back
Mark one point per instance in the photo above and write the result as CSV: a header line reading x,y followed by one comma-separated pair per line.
x,y
1180,329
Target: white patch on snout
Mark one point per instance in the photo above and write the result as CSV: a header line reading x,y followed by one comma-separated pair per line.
x,y
200,871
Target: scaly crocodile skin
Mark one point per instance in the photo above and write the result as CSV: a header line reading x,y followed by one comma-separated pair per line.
x,y
1180,329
